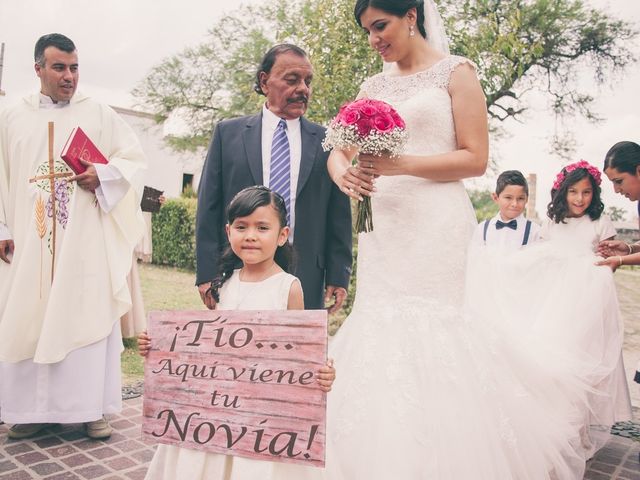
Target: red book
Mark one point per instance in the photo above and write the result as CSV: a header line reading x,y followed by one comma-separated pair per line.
x,y
79,146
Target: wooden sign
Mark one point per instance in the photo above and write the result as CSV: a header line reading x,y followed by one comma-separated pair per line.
x,y
238,383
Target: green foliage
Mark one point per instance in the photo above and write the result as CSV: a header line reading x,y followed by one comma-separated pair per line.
x,y
130,343
518,45
213,81
483,204
173,233
131,364
189,192
209,82
341,57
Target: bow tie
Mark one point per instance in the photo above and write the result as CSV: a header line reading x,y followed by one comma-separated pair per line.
x,y
513,224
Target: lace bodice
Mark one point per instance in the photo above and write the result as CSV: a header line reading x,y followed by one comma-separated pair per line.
x,y
423,101
421,227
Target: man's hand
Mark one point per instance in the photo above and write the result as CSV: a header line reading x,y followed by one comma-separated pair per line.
x,y
89,179
205,295
6,249
338,293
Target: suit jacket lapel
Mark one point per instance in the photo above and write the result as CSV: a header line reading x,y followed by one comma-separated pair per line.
x,y
310,145
252,138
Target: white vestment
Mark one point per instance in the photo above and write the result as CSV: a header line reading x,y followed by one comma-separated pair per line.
x,y
60,338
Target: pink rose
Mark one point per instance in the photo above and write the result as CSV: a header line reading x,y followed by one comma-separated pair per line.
x,y
345,106
367,110
364,126
383,123
349,117
397,119
384,107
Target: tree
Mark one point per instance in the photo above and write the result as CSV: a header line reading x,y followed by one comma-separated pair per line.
x,y
483,204
341,56
518,45
209,82
213,81
616,214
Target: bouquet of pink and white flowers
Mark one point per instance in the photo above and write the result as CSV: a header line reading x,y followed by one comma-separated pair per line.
x,y
373,127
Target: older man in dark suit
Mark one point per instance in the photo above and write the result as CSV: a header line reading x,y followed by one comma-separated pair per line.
x,y
279,148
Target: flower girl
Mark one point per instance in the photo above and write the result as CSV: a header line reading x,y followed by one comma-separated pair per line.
x,y
257,230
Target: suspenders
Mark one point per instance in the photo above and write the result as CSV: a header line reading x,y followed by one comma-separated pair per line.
x,y
527,231
486,227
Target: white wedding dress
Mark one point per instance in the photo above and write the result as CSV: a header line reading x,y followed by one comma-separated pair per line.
x,y
422,391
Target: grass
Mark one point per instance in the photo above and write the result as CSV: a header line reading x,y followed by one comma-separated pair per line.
x,y
168,288
163,288
132,363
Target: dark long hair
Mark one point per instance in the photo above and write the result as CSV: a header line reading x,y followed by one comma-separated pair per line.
x,y
244,204
558,209
624,157
399,8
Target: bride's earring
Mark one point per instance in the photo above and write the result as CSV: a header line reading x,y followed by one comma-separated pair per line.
x,y
412,32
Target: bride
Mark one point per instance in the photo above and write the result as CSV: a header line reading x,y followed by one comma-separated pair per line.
x,y
423,391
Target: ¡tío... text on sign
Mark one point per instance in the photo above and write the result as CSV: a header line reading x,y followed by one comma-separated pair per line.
x,y
238,383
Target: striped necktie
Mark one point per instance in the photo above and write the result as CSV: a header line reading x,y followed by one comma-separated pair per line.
x,y
280,175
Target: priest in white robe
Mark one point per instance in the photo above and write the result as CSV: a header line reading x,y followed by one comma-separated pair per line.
x,y
66,246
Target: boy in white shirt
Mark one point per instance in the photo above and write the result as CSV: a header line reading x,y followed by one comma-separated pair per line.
x,y
509,229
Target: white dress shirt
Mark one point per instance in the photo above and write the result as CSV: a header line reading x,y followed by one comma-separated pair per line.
x,y
506,238
269,124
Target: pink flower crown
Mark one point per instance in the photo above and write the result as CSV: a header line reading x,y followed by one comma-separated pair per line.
x,y
593,171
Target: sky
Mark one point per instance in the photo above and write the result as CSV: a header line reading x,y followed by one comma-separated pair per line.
x,y
119,41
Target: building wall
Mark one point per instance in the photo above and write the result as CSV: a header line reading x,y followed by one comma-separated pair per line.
x,y
166,167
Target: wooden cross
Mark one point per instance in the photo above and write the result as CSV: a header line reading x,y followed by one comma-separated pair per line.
x,y
51,176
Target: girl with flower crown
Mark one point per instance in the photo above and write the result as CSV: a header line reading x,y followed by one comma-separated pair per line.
x,y
575,201
562,306
252,276
576,218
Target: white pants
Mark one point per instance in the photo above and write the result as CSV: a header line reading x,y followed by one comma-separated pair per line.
x,y
80,388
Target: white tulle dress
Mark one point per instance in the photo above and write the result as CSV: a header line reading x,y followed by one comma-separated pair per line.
x,y
423,390
554,297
